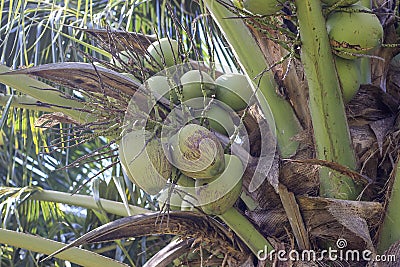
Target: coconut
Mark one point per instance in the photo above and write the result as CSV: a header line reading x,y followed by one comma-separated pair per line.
x,y
185,181
123,57
144,164
193,83
353,31
197,152
179,197
262,7
234,90
173,199
343,3
130,76
349,75
189,203
220,120
164,50
217,195
161,86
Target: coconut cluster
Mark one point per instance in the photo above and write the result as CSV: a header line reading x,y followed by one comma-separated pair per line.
x,y
214,195
209,179
213,101
354,31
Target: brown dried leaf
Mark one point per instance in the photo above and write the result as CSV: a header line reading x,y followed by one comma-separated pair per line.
x,y
170,252
329,219
394,254
52,119
84,76
335,166
381,128
121,40
301,179
306,264
354,223
363,138
370,104
295,218
270,222
183,224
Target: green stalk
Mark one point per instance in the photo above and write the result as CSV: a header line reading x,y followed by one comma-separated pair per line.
x,y
24,101
246,232
44,93
253,62
331,133
390,231
87,202
41,245
365,68
365,65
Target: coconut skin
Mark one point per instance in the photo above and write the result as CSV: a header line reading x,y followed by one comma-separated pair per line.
x,y
197,152
123,56
193,83
161,86
189,203
262,7
181,196
174,200
354,32
217,195
349,75
147,168
234,90
220,120
344,3
164,50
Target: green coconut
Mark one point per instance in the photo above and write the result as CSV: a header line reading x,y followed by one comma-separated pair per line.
x,y
185,181
189,201
220,120
343,2
144,164
262,7
173,199
161,86
234,90
123,57
164,50
349,75
193,83
130,76
197,152
217,195
353,32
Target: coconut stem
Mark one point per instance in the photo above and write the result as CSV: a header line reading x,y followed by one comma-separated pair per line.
x,y
25,102
331,133
365,66
253,62
390,229
88,202
246,231
45,246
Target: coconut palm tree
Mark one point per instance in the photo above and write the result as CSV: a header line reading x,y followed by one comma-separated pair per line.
x,y
322,132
